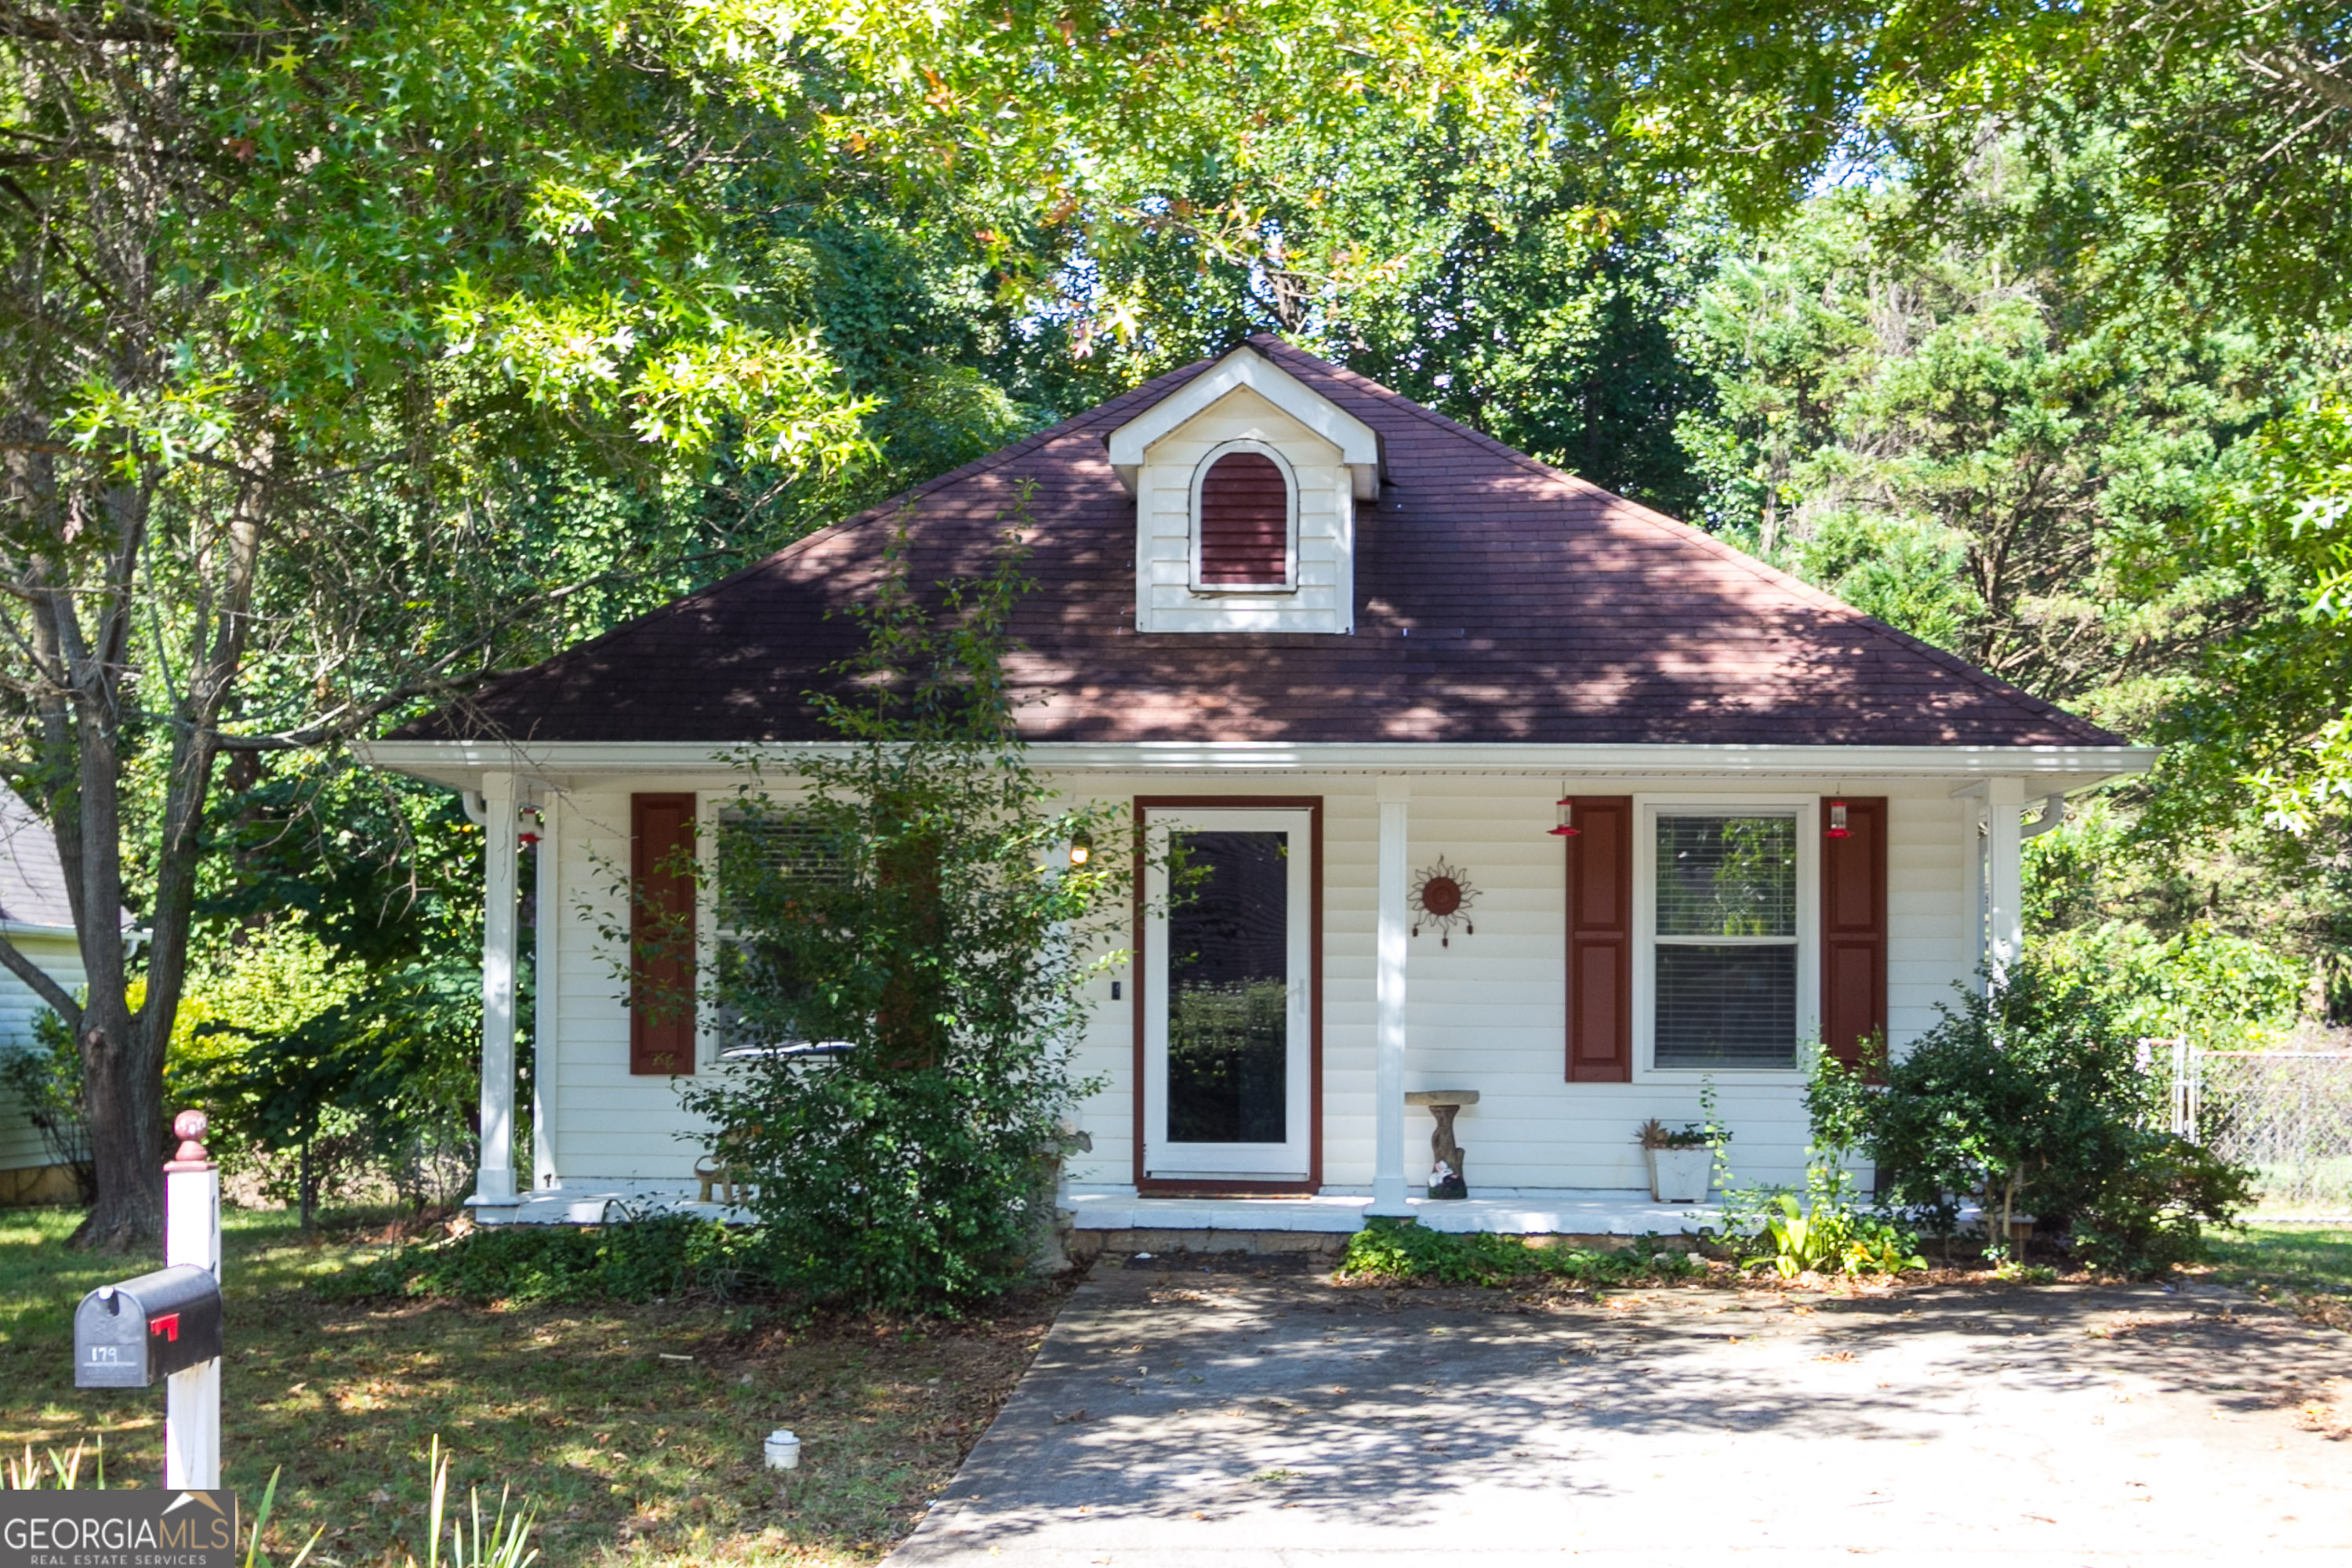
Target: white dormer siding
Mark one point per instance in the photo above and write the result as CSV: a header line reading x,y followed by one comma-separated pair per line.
x,y
1246,404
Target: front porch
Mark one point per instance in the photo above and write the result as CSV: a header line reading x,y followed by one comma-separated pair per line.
x,y
1115,1219
1522,1211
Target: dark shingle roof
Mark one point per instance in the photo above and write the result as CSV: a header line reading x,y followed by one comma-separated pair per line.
x,y
1559,614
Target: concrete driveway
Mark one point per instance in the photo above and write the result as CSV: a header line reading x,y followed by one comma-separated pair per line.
x,y
1182,1417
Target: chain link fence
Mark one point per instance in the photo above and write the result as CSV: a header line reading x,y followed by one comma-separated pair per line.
x,y
2286,1113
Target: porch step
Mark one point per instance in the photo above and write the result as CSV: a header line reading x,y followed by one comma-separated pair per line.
x,y
1588,1216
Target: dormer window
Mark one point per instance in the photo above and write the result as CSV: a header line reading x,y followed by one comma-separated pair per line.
x,y
1245,522
1245,482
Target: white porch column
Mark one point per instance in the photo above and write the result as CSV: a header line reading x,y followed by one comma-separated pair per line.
x,y
2004,876
495,1184
546,932
1388,1005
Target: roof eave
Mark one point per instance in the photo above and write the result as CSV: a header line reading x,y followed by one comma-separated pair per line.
x,y
460,764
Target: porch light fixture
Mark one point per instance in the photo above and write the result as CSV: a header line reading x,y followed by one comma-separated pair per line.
x,y
1838,829
1082,849
1566,807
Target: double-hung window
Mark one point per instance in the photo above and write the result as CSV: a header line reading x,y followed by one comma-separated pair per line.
x,y
1724,943
759,853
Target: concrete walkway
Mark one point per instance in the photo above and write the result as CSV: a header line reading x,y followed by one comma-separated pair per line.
x,y
1232,1420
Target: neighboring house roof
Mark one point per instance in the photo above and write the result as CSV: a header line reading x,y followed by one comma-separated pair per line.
x,y
1539,608
32,883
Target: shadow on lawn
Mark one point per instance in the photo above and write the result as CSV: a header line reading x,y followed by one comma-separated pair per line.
x,y
635,1430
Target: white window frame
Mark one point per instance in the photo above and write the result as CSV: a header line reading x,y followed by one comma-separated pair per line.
x,y
1647,809
709,806
1288,586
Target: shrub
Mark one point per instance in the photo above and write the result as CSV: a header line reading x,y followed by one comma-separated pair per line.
x,y
913,896
2032,1099
635,1259
2150,1216
1398,1250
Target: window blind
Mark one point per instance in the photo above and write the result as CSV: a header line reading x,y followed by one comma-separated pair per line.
x,y
1725,941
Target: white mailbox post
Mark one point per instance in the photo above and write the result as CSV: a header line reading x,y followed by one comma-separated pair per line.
x,y
191,1235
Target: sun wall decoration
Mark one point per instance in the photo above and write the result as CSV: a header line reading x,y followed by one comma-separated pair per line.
x,y
1441,898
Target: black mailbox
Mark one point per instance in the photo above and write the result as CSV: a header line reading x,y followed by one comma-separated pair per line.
x,y
134,1334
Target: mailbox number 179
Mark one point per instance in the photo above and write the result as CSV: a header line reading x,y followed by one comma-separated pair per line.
x,y
111,1354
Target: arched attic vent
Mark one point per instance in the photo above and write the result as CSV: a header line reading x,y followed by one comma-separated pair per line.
x,y
1244,513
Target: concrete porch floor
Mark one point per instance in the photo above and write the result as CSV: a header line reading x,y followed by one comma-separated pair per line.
x,y
1561,1211
1558,1211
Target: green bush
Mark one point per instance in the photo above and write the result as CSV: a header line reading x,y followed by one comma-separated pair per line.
x,y
2151,1215
2035,1099
915,898
1398,1250
634,1259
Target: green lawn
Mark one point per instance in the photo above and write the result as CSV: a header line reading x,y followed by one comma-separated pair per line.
x,y
2308,1267
635,1430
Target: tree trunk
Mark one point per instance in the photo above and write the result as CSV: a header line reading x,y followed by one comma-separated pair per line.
x,y
122,1106
122,1051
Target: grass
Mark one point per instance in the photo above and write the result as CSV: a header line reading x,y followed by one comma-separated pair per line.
x,y
635,1429
2308,1267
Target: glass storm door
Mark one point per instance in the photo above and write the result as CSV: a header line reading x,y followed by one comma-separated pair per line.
x,y
1226,1008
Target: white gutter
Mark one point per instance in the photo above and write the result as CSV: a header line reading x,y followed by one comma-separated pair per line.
x,y
24,927
461,762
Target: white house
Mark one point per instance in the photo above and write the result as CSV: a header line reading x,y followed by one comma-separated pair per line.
x,y
1348,646
35,918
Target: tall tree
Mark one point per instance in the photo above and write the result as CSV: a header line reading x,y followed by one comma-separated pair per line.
x,y
293,300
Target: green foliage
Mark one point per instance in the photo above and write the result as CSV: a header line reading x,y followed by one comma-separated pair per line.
x,y
1655,1134
632,1257
1825,1233
2230,124
43,1079
1823,1230
320,1075
1939,435
1398,1251
506,1544
2222,991
2035,1099
912,899
2150,1215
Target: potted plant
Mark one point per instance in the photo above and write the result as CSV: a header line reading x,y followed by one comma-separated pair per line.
x,y
1680,1159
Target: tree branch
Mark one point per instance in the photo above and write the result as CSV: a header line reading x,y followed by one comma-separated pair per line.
x,y
37,979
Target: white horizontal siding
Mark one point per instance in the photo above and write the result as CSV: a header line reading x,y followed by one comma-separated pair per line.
x,y
20,1145
606,1121
1487,1013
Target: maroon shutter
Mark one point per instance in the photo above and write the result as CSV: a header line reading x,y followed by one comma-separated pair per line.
x,y
1601,941
661,935
1854,929
1244,520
